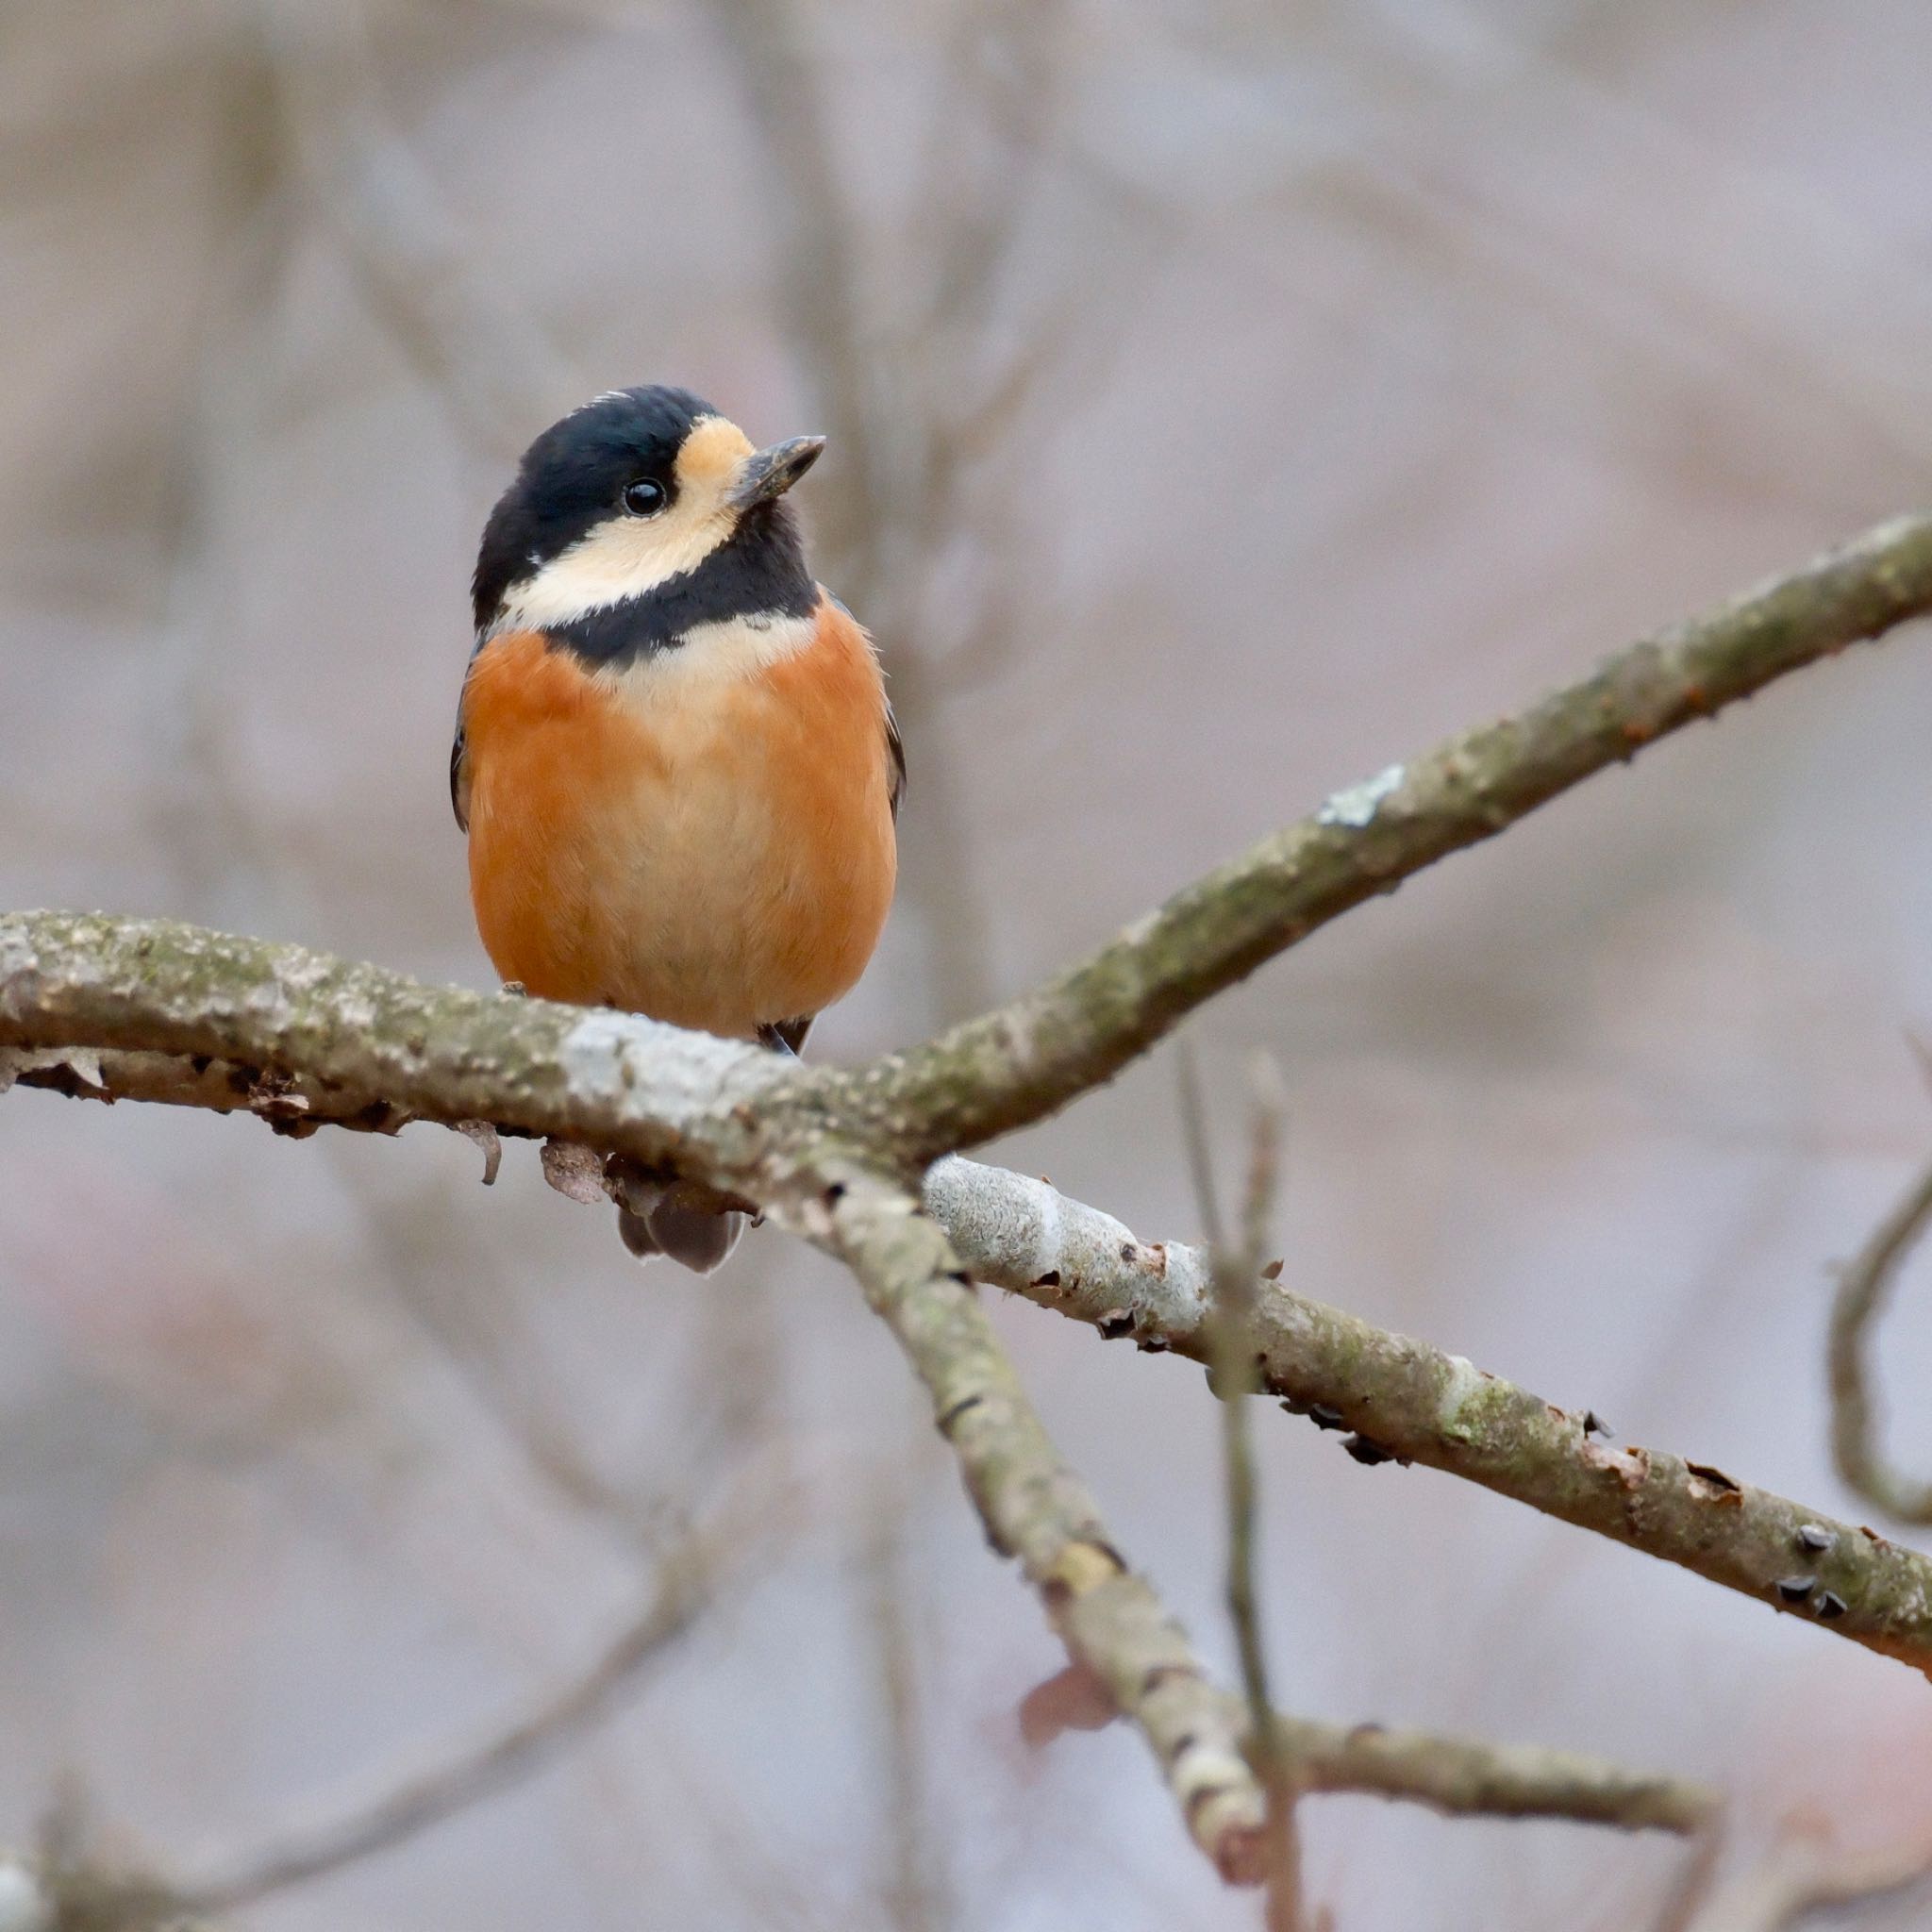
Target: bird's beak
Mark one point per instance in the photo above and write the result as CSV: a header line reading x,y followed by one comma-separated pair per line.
x,y
769,473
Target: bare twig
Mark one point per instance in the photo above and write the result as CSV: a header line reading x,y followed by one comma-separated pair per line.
x,y
1860,1299
1236,1269
820,284
1464,1777
914,1889
1457,1777
499,373
910,418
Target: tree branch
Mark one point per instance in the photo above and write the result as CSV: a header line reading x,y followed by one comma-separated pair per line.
x,y
1234,1267
1038,1510
1860,1299
1465,1778
376,1048
1028,1058
1414,1403
86,1002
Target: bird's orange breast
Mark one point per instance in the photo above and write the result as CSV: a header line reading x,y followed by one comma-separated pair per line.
x,y
713,850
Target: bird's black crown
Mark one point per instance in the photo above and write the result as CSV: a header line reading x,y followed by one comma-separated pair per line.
x,y
570,478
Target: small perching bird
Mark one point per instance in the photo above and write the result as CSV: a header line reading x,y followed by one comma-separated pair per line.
x,y
673,756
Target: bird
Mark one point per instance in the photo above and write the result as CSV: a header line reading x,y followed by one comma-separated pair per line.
x,y
675,758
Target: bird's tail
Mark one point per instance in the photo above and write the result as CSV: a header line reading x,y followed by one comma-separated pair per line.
x,y
683,1219
674,1221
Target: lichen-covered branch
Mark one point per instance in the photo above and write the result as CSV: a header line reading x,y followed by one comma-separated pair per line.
x,y
1460,1776
306,1036
1405,1401
376,1048
1861,1296
1039,1511
1009,1228
1034,1054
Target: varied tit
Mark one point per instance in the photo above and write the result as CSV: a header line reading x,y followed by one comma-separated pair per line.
x,y
674,757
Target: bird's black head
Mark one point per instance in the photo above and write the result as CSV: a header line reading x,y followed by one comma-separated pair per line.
x,y
639,517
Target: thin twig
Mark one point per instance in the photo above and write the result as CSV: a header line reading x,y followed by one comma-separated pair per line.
x,y
365,1825
1860,1299
1196,1144
1236,1271
1471,1777
914,1888
495,369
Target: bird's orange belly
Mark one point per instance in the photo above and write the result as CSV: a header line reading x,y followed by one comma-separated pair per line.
x,y
719,859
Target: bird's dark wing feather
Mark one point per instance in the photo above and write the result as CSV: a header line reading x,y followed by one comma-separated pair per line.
x,y
459,777
895,750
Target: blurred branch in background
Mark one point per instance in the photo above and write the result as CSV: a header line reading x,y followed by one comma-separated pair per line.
x,y
693,1568
915,1892
74,1887
1803,1872
499,373
1862,1290
1234,1271
930,469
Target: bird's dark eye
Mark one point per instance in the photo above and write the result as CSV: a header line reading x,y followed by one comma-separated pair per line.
x,y
645,498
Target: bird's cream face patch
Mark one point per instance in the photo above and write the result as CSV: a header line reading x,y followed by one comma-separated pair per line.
x,y
625,555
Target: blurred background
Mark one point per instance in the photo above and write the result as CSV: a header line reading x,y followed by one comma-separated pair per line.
x,y
1225,401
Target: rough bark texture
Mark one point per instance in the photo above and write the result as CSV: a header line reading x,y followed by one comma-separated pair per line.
x,y
1038,1510
1420,1405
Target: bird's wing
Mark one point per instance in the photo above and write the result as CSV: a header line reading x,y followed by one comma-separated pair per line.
x,y
895,750
460,776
